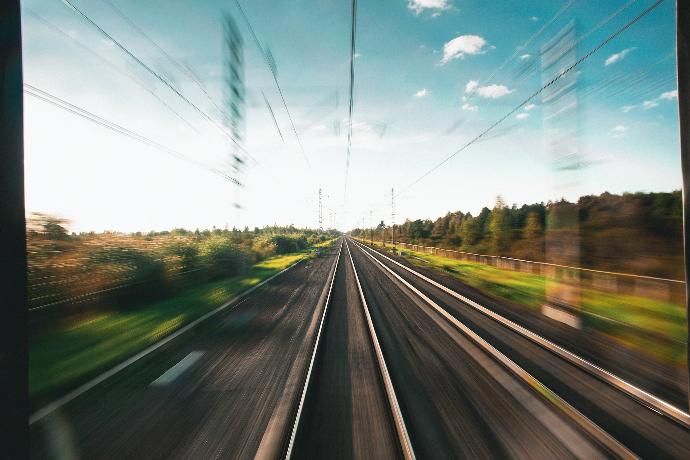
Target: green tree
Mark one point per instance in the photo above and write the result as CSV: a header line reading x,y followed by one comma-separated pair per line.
x,y
438,232
533,227
500,226
186,253
470,231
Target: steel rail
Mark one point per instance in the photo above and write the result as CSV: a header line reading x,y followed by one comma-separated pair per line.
x,y
653,402
400,427
591,428
307,380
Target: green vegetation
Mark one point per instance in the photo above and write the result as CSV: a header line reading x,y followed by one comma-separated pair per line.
x,y
65,356
98,298
71,274
637,233
325,244
653,327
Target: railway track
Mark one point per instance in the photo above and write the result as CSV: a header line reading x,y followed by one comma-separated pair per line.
x,y
354,355
674,413
327,423
623,420
348,406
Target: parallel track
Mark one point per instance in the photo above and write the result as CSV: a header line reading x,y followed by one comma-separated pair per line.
x,y
657,404
561,406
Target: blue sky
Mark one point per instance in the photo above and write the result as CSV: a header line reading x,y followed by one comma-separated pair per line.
x,y
422,68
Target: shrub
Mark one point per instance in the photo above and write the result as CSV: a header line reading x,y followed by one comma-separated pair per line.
x,y
222,257
263,247
289,243
141,273
185,253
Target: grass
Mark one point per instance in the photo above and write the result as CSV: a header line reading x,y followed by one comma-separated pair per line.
x,y
325,244
74,352
653,327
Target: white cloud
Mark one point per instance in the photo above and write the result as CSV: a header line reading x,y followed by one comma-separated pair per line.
x,y
469,107
462,45
522,116
529,107
668,95
421,93
420,5
619,131
651,103
471,86
646,105
493,91
617,56
525,56
356,55
488,92
534,19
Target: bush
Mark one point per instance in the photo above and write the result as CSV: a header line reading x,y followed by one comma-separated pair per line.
x,y
107,270
185,253
315,239
222,257
263,247
143,274
285,244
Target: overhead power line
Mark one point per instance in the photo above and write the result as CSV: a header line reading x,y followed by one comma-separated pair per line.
x,y
536,93
183,68
157,75
90,116
270,63
273,117
586,35
352,85
521,48
112,66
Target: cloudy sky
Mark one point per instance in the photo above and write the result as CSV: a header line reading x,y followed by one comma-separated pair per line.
x,y
430,75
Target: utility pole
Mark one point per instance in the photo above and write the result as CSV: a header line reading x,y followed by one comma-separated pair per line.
x,y
393,218
320,213
371,228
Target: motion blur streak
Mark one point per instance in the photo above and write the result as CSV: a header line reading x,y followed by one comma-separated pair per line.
x,y
643,396
642,430
188,299
228,395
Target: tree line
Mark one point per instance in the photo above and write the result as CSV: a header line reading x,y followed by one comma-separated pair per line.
x,y
80,271
634,232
